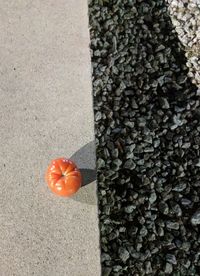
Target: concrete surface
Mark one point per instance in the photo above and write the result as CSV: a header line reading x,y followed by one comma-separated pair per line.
x,y
45,112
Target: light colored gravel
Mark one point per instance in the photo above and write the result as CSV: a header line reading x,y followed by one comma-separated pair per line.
x,y
185,15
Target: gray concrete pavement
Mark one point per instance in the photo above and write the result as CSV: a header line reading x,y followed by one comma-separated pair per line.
x,y
45,112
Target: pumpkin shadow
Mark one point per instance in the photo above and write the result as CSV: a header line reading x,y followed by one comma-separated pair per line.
x,y
88,176
85,160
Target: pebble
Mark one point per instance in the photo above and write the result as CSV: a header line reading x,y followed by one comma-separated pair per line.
x,y
129,164
123,254
170,258
164,103
100,163
164,208
152,198
98,116
148,268
186,202
180,187
172,225
168,268
129,209
195,219
130,124
117,163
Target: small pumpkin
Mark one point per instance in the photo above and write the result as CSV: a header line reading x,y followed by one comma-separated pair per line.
x,y
63,177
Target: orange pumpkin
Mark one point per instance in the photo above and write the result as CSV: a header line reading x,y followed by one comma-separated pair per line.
x,y
63,177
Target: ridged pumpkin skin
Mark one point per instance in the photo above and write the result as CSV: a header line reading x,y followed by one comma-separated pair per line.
x,y
63,177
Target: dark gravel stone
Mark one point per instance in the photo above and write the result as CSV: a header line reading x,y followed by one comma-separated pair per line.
x,y
170,258
195,219
163,207
168,268
123,254
164,103
180,187
129,164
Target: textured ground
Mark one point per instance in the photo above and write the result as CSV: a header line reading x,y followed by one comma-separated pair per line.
x,y
185,15
147,115
43,51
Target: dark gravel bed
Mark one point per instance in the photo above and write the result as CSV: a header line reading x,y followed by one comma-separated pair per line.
x,y
147,121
